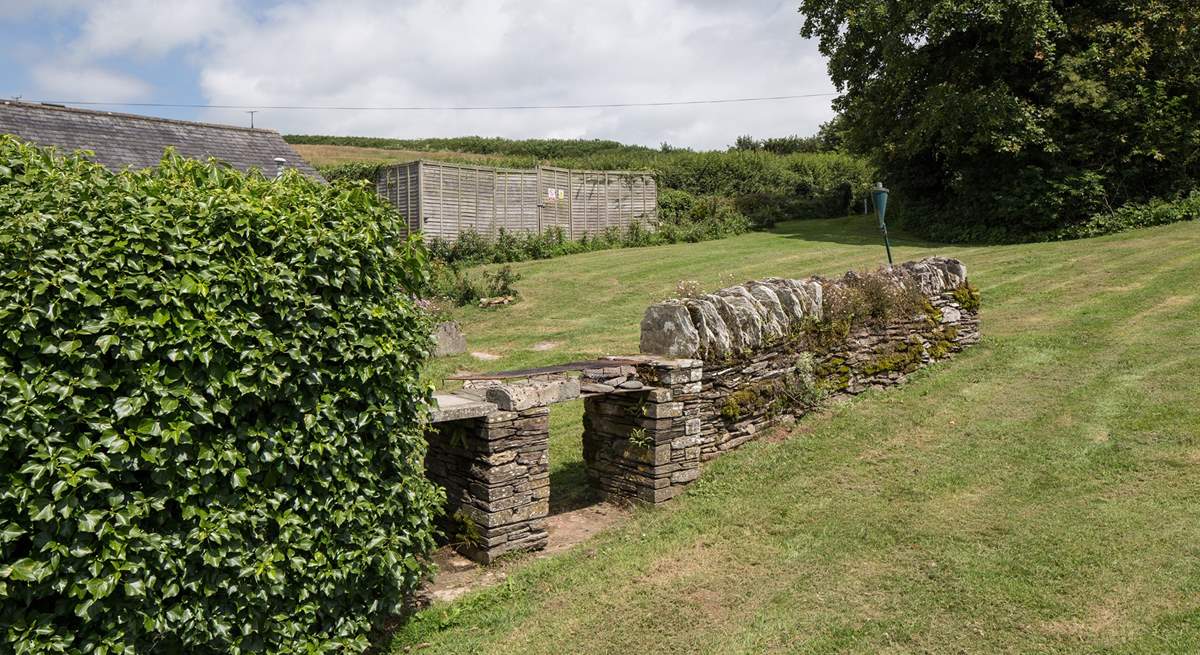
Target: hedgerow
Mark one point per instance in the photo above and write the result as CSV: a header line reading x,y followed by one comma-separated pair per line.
x,y
211,437
688,220
762,187
1135,215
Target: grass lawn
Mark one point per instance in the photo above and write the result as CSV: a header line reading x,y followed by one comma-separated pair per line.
x,y
1038,493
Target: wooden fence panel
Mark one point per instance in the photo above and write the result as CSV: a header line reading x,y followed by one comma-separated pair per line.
x,y
445,200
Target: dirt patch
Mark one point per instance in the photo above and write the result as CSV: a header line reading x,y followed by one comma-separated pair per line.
x,y
1168,305
543,346
485,356
790,428
1098,622
458,575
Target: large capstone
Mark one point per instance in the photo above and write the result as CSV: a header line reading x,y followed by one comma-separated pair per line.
x,y
745,326
771,303
789,298
667,330
715,340
766,327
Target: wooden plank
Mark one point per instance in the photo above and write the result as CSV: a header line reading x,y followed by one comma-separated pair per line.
x,y
539,202
442,198
569,367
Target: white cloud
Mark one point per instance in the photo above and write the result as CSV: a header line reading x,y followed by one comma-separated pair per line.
x,y
152,28
483,52
479,52
75,82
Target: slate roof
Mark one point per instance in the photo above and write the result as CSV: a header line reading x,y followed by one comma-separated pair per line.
x,y
129,140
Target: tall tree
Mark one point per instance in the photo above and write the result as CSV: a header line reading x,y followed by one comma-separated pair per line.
x,y
998,118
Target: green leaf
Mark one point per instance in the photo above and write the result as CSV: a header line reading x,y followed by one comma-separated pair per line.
x,y
107,341
126,406
91,521
45,513
24,569
239,477
11,532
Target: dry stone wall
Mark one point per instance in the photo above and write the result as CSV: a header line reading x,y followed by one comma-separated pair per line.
x,y
641,446
496,472
735,362
715,372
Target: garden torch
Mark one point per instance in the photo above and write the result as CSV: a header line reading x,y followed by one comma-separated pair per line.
x,y
880,196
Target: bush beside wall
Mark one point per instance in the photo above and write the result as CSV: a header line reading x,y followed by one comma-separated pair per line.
x,y
211,440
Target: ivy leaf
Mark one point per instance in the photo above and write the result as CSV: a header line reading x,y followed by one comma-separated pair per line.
x,y
125,406
11,532
107,341
25,569
239,477
91,521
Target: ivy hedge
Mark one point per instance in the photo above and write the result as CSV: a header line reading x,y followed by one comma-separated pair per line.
x,y
211,438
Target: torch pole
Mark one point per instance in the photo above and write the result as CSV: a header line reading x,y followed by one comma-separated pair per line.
x,y
886,244
880,195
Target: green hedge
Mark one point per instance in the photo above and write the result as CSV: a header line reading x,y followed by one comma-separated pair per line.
x,y
211,439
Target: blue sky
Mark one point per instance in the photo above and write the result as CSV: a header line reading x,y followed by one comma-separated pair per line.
x,y
428,53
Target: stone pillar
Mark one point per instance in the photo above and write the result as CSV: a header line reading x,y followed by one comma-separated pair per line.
x,y
640,446
496,473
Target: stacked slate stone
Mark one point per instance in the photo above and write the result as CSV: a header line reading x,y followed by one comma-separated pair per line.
x,y
874,359
640,446
729,365
610,379
496,473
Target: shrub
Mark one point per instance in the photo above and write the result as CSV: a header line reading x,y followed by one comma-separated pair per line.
x,y
211,439
452,282
1135,215
967,296
352,171
501,282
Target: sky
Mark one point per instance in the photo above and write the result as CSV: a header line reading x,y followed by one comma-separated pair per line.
x,y
429,53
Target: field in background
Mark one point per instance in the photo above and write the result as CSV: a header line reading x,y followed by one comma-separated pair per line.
x,y
755,186
327,155
1035,494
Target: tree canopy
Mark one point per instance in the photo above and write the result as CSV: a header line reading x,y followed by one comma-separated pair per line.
x,y
997,119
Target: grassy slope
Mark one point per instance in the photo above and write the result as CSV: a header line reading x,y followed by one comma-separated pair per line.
x,y
1037,493
326,155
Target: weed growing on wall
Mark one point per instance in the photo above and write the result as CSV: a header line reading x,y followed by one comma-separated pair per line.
x,y
871,298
